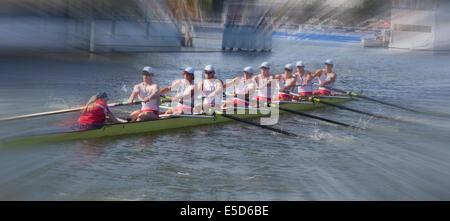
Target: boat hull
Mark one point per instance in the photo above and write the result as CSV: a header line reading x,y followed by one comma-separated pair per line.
x,y
158,125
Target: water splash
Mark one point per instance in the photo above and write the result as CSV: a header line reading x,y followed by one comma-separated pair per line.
x,y
57,103
319,135
124,88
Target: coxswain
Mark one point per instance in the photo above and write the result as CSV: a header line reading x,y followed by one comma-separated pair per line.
x,y
96,113
184,89
148,92
326,78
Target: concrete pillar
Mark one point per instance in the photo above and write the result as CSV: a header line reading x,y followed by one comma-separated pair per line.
x,y
92,38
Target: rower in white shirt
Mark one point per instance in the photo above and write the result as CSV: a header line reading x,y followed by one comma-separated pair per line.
x,y
244,89
303,81
326,78
287,83
263,84
211,90
148,92
184,93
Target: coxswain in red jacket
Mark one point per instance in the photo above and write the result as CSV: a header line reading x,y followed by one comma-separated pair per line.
x,y
96,113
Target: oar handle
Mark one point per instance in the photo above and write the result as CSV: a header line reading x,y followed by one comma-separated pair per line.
x,y
124,103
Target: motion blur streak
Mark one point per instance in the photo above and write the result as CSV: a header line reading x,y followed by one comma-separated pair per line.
x,y
158,25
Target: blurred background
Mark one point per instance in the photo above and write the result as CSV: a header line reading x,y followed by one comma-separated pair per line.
x,y
168,25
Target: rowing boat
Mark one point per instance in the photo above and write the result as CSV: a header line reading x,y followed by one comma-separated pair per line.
x,y
171,123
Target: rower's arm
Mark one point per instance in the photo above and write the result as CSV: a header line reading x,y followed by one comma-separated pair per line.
x,y
188,93
289,85
309,78
269,82
265,84
165,90
170,88
198,89
133,94
317,73
153,95
251,89
219,87
229,84
112,119
331,80
255,79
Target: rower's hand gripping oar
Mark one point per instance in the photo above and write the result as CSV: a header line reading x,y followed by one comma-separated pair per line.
x,y
64,111
165,98
254,124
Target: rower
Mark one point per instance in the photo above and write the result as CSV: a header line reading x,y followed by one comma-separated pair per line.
x,y
148,92
243,89
326,79
96,113
263,83
287,82
211,90
303,80
184,93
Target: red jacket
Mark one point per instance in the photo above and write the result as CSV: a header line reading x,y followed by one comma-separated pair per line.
x,y
97,115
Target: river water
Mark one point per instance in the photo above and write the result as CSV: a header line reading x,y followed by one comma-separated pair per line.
x,y
388,160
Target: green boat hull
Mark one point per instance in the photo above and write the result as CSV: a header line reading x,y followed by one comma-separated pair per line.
x,y
157,125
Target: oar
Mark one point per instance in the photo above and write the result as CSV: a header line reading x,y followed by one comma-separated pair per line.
x,y
351,94
254,124
165,98
313,116
63,111
187,116
351,109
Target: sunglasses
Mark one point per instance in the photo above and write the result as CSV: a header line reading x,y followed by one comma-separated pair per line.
x,y
209,72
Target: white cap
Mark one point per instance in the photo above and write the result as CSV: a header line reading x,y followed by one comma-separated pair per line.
x,y
248,69
265,65
209,68
289,67
329,61
148,69
189,70
300,64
